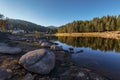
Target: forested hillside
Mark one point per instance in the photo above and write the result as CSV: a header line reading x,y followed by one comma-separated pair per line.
x,y
14,24
52,29
106,23
24,25
28,26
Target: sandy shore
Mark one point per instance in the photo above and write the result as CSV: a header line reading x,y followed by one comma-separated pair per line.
x,y
113,34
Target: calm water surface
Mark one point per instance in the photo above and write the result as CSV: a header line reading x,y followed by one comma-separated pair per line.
x,y
99,54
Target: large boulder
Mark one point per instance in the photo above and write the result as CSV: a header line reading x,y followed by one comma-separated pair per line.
x,y
39,61
9,50
4,74
57,48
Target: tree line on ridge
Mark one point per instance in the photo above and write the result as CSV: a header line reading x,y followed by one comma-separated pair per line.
x,y
106,23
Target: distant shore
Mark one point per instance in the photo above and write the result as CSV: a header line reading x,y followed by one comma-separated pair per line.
x,y
110,34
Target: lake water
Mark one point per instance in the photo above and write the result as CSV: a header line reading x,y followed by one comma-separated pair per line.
x,y
99,54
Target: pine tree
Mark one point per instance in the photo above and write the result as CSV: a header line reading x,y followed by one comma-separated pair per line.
x,y
118,23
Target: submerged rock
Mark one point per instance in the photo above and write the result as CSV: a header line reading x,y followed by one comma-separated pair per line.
x,y
39,61
56,43
80,51
71,50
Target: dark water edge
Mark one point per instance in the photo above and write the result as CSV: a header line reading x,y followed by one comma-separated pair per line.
x,y
105,65
64,69
102,55
99,54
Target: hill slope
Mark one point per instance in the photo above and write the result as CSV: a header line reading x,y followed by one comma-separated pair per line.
x,y
24,25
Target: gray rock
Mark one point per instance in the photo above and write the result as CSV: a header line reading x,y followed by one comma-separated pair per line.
x,y
45,44
41,41
81,74
3,44
57,48
71,50
39,61
95,76
4,74
28,76
80,51
4,36
9,50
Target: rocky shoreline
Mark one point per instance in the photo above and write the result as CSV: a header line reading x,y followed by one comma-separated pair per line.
x,y
39,59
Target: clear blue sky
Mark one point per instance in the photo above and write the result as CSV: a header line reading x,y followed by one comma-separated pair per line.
x,y
58,12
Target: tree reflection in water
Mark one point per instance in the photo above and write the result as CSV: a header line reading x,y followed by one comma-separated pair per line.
x,y
103,44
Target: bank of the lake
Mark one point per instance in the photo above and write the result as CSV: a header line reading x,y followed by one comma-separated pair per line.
x,y
110,34
12,68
